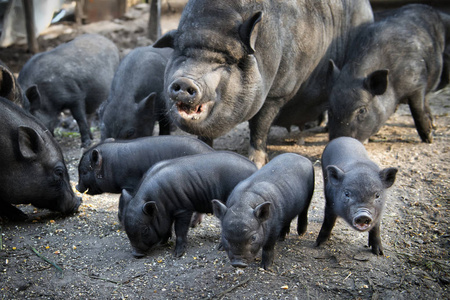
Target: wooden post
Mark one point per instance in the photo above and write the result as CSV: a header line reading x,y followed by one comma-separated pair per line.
x,y
28,9
154,21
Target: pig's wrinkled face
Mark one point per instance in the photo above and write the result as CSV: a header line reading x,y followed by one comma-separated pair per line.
x,y
210,89
351,113
361,199
242,238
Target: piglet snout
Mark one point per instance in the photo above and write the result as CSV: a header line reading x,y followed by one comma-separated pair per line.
x,y
238,263
362,221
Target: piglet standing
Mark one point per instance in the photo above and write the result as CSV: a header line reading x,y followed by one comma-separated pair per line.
x,y
355,190
260,209
76,75
173,189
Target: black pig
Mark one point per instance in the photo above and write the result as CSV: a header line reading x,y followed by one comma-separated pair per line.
x,y
136,101
172,190
112,166
355,190
260,209
32,168
76,75
398,59
235,61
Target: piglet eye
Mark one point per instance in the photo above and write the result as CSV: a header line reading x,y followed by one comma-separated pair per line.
x,y
254,238
362,110
377,195
347,193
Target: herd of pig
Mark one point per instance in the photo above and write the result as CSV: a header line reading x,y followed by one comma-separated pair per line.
x,y
268,62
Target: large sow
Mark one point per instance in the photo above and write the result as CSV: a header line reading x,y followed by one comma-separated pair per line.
x,y
355,190
76,75
32,168
260,209
235,61
136,99
398,59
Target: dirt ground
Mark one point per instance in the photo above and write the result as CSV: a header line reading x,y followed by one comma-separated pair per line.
x,y
88,256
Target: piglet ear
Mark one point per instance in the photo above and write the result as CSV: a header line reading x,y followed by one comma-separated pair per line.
x,y
335,175
332,72
150,209
96,160
34,97
147,104
30,142
7,84
219,209
166,40
376,83
387,176
262,211
248,31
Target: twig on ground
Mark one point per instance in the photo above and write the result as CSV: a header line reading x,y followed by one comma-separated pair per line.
x,y
58,268
221,295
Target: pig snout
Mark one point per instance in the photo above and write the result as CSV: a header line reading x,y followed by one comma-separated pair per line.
x,y
238,263
184,90
81,188
137,253
363,220
186,94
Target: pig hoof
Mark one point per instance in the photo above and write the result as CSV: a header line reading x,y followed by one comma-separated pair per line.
x,y
220,247
377,250
179,251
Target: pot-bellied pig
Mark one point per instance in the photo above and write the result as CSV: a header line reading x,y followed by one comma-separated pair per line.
x,y
76,75
398,59
32,168
112,166
260,209
235,61
136,101
172,190
355,190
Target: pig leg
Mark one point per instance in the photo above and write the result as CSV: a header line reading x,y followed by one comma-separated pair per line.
x,y
328,224
259,129
375,240
12,212
284,231
79,114
423,119
302,222
182,222
268,253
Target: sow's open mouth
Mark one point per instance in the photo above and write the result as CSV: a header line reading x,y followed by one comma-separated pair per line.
x,y
193,112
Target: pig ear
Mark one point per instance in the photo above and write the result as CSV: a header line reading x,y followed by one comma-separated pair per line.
x,y
335,175
34,97
333,72
166,40
150,209
248,31
30,142
7,84
96,159
126,196
387,176
147,104
376,83
262,211
219,209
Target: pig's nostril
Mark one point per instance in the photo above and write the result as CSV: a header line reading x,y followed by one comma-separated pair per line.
x,y
191,91
363,220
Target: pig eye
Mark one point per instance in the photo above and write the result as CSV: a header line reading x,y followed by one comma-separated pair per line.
x,y
130,133
59,172
377,195
347,194
362,110
254,237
